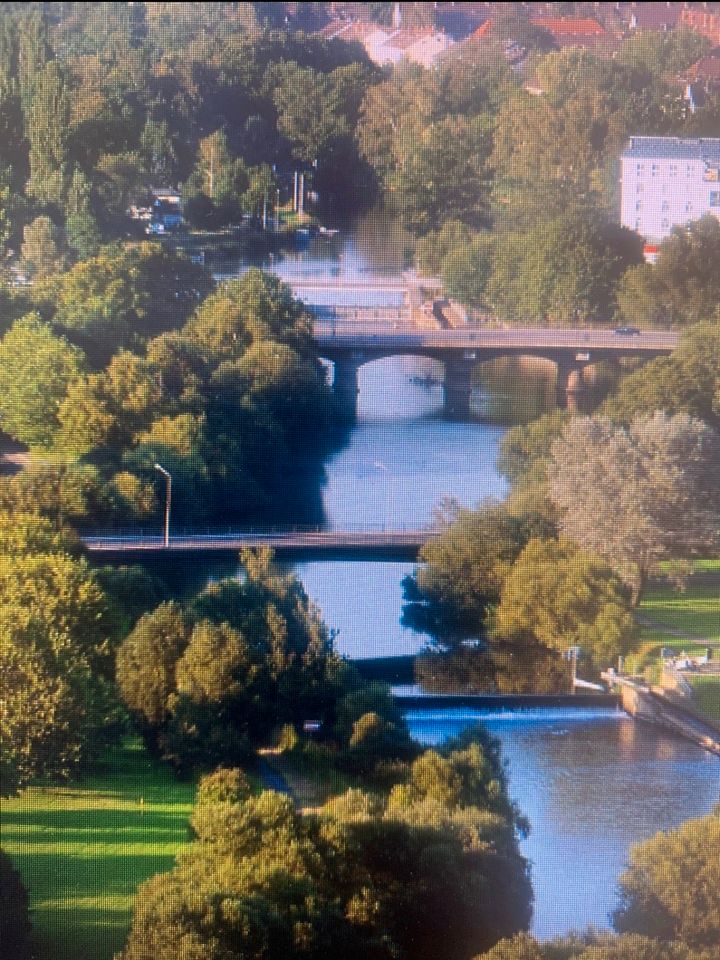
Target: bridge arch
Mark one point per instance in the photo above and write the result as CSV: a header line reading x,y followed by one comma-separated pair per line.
x,y
353,378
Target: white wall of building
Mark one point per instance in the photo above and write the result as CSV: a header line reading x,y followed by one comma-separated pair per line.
x,y
660,192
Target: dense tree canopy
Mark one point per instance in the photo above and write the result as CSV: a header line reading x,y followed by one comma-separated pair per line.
x,y
57,633
682,287
671,889
209,681
462,571
639,494
563,597
36,369
688,381
431,869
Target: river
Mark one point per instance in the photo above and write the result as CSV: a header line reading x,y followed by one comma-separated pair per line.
x,y
591,783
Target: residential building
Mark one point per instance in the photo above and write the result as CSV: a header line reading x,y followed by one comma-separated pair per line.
x,y
668,182
702,21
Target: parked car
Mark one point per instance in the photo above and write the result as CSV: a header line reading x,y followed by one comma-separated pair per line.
x,y
627,331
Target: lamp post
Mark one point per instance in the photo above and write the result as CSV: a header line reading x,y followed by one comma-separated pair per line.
x,y
168,493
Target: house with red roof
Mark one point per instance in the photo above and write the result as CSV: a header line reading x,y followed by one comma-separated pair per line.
x,y
574,31
702,21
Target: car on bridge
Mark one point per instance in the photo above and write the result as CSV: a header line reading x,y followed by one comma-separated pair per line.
x,y
627,331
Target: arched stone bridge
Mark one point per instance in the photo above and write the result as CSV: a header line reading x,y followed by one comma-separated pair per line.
x,y
350,345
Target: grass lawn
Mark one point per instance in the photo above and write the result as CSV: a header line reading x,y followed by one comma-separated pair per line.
x,y
83,848
695,611
707,696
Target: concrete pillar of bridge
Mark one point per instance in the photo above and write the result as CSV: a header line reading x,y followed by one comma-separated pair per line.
x,y
458,387
345,387
570,386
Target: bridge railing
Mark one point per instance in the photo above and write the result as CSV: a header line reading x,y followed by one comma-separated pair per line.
x,y
240,531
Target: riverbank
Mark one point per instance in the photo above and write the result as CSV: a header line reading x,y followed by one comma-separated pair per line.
x,y
654,705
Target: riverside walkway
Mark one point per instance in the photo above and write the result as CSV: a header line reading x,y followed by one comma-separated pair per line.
x,y
322,544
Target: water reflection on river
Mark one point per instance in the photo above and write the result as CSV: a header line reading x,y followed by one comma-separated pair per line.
x,y
401,460
592,783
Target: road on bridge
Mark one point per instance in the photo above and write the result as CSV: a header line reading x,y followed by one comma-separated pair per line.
x,y
380,336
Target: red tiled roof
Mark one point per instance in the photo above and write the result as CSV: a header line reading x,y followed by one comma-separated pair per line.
x,y
703,21
586,27
482,31
707,68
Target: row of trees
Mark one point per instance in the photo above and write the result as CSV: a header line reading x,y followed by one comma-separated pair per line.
x,y
595,508
129,370
91,121
430,869
514,195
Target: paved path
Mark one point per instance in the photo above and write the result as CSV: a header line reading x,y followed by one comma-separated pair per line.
x,y
271,779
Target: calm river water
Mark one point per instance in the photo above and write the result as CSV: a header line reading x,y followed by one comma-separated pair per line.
x,y
591,783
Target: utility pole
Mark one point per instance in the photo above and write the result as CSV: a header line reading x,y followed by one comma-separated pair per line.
x,y
168,494
212,170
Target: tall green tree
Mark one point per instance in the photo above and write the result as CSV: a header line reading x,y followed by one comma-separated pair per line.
x,y
564,597
640,494
36,370
671,889
565,269
48,127
461,573
57,631
81,226
682,287
41,253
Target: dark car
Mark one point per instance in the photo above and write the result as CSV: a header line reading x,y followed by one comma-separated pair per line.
x,y
627,331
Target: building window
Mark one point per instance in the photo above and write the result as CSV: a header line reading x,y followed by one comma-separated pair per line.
x,y
640,169
639,188
638,205
688,207
665,224
654,170
689,170
665,206
637,224
715,198
673,169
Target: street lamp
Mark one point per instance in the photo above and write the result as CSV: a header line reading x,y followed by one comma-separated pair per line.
x,y
168,493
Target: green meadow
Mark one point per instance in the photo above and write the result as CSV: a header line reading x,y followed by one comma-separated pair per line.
x,y
695,611
83,848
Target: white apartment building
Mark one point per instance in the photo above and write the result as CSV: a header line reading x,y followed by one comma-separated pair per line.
x,y
667,182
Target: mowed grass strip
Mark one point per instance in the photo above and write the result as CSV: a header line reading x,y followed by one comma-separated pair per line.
x,y
695,611
83,849
706,691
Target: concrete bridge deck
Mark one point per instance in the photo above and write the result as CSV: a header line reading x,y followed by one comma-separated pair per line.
x,y
325,544
349,345
370,338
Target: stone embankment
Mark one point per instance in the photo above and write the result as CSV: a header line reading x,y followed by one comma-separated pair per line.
x,y
654,705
